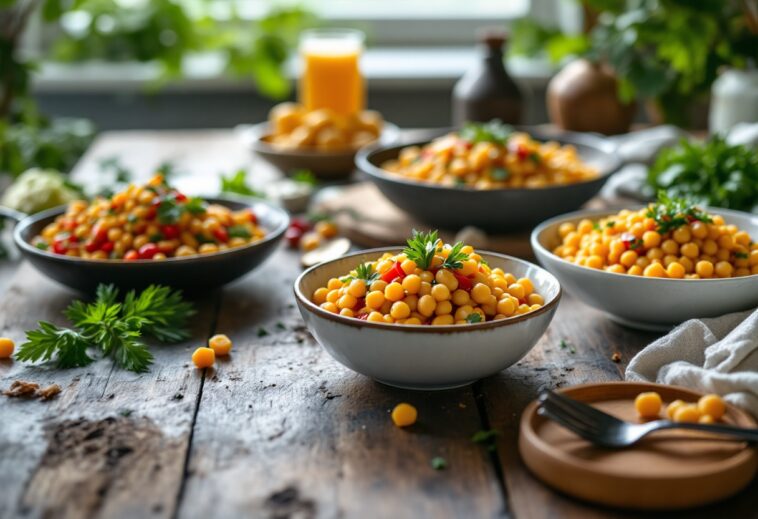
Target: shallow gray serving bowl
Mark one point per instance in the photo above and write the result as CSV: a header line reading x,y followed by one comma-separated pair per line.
x,y
332,165
192,273
655,304
494,210
423,356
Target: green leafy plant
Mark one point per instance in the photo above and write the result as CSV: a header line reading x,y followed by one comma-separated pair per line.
x,y
422,247
112,328
494,131
711,173
666,50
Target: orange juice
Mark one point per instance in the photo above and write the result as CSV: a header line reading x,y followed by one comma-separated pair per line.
x,y
331,75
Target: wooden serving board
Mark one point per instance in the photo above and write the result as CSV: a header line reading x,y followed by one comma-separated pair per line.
x,y
669,469
368,219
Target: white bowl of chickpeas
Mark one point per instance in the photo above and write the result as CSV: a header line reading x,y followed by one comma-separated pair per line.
x,y
656,266
419,333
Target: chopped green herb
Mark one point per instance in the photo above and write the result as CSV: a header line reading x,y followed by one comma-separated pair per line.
x,y
474,317
671,213
438,463
596,226
741,255
483,436
567,345
262,332
125,413
280,325
41,245
305,176
455,257
238,231
610,224
195,205
237,184
494,131
364,271
500,174
155,238
132,218
535,157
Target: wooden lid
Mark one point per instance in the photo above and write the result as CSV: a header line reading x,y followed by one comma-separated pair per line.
x,y
666,470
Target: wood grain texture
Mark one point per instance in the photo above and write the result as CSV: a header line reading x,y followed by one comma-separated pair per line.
x,y
113,443
595,339
284,431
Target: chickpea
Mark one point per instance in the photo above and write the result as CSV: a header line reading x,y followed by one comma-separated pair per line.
x,y
404,415
648,405
220,344
6,347
712,405
204,357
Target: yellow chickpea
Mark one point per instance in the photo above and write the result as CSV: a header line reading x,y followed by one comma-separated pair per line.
x,y
654,270
670,247
203,357
6,347
375,299
220,344
440,292
687,413
675,270
394,292
682,234
648,405
712,405
443,320
319,295
651,239
346,301
704,269
460,297
673,407
357,288
404,415
330,307
426,305
400,310
724,269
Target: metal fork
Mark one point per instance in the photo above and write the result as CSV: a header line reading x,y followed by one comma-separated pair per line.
x,y
603,429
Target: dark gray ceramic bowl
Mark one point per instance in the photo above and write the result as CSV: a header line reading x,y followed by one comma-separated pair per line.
x,y
194,273
334,165
494,210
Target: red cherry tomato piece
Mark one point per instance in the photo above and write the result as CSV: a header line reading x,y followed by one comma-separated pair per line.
x,y
91,246
180,197
464,283
395,272
170,231
131,255
107,246
293,235
301,223
148,250
521,152
221,235
59,247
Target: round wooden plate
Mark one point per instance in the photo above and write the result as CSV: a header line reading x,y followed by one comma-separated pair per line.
x,y
667,470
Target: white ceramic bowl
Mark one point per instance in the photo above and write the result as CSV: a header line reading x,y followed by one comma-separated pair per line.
x,y
647,303
422,356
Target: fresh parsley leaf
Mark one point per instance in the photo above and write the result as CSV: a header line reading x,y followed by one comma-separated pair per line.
x,y
162,311
610,224
671,213
422,247
48,341
438,463
485,436
500,174
262,332
305,176
494,131
195,205
455,257
238,231
474,317
741,255
567,345
364,271
236,184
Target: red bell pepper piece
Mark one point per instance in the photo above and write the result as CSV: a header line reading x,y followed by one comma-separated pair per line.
x,y
395,272
464,283
221,235
170,231
107,246
293,235
148,250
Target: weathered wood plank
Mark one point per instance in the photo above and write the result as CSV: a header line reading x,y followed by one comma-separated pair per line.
x,y
285,431
595,339
113,443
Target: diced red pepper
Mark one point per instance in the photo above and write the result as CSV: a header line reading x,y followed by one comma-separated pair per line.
x,y
148,250
521,152
627,239
361,302
170,231
180,197
221,234
107,246
253,217
152,212
131,255
59,247
70,225
395,272
464,283
293,235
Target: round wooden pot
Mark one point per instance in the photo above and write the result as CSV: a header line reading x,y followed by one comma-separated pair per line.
x,y
583,97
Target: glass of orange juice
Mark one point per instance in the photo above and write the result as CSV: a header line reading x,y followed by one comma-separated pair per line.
x,y
331,76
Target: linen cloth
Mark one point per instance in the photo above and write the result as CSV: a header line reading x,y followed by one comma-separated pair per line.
x,y
717,355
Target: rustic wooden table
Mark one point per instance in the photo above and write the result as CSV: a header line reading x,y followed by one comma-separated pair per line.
x,y
280,429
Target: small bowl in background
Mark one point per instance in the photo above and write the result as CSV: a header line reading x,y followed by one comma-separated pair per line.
x,y
332,165
655,304
424,356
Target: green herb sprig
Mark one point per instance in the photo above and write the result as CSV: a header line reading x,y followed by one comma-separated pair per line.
x,y
455,258
113,328
494,131
671,213
236,184
364,271
422,247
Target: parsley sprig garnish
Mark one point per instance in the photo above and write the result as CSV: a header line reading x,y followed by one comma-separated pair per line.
x,y
671,213
455,257
113,328
422,247
170,210
494,131
364,271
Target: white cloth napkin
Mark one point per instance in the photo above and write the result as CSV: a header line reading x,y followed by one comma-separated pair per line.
x,y
718,355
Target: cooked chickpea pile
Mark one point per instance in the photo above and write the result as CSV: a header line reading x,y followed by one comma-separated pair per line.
x,y
454,287
151,222
709,409
632,242
293,127
519,162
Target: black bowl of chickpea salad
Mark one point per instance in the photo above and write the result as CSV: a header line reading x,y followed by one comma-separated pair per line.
x,y
151,234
